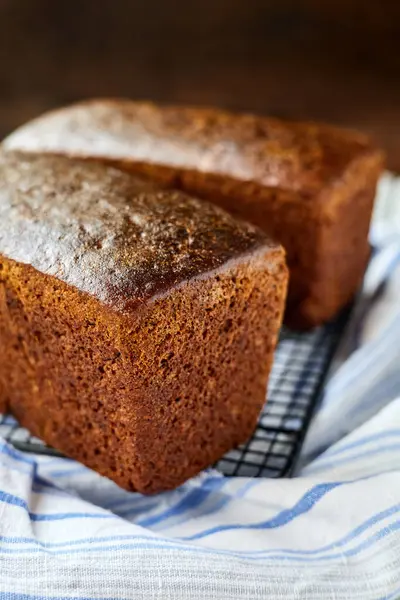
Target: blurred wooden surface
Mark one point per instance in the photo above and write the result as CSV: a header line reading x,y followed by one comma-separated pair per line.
x,y
335,60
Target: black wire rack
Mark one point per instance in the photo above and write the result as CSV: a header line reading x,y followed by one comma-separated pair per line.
x,y
301,363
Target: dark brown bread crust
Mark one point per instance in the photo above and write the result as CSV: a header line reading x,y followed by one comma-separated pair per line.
x,y
309,186
130,240
138,327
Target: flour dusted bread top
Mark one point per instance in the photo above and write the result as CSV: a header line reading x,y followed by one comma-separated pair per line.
x,y
112,235
300,157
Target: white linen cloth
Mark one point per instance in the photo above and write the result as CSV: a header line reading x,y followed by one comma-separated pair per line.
x,y
331,532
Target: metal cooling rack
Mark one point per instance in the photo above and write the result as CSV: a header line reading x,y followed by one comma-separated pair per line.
x,y
301,363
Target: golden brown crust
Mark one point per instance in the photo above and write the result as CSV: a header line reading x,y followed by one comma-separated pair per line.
x,y
309,186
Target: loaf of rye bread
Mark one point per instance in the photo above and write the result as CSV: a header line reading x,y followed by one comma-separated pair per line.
x,y
137,325
309,186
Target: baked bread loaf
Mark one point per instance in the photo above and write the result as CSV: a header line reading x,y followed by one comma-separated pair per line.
x,y
138,326
309,186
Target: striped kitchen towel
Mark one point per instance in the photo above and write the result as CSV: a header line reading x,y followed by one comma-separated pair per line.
x,y
331,532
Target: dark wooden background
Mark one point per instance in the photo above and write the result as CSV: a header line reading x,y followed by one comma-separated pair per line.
x,y
335,60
